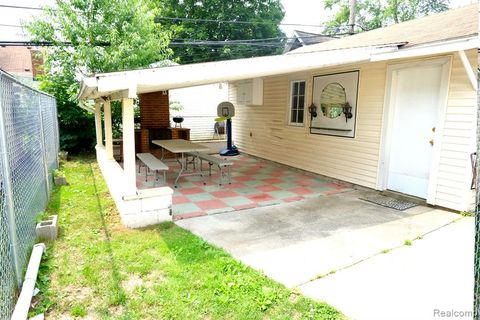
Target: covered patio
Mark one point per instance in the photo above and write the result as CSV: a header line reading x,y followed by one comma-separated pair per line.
x,y
353,145
254,183
141,204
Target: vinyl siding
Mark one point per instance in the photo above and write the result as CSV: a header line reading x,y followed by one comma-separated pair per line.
x,y
199,108
458,140
351,159
263,131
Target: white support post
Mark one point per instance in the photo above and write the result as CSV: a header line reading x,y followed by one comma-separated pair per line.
x,y
129,146
468,69
98,124
107,108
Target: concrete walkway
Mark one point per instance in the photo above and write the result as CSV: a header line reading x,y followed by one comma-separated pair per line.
x,y
420,281
299,242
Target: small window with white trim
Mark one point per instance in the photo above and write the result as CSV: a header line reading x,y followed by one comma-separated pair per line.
x,y
297,102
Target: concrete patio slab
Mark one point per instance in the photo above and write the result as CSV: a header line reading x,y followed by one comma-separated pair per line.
x,y
254,183
296,242
433,275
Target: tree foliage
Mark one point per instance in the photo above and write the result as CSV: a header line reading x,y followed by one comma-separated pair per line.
x,y
264,15
92,36
372,14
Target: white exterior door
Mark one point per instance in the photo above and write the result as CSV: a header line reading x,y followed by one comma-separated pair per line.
x,y
416,96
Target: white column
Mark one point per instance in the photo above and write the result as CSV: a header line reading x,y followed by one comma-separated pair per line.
x,y
108,129
98,124
129,146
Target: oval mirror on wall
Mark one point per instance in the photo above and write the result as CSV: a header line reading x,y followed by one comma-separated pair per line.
x,y
332,100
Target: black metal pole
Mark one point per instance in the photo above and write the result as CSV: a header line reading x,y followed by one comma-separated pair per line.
x,y
229,134
230,150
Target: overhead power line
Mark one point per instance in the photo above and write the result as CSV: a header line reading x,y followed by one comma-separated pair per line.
x,y
159,18
196,58
222,43
265,42
106,44
261,39
20,7
10,25
46,43
232,41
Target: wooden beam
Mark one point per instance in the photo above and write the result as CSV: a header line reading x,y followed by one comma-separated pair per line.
x,y
119,95
468,69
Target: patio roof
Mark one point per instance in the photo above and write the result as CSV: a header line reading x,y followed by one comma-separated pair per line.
x,y
421,37
130,83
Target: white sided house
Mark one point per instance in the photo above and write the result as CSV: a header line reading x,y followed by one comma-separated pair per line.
x,y
389,109
199,108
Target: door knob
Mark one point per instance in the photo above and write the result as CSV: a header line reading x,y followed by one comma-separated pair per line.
x,y
431,142
433,129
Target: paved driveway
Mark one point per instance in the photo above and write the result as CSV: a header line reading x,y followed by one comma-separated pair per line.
x,y
298,242
433,275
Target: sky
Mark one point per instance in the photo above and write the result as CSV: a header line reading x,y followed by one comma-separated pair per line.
x,y
312,12
10,16
307,12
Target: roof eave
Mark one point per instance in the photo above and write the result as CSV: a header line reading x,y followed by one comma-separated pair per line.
x,y
149,80
87,86
428,49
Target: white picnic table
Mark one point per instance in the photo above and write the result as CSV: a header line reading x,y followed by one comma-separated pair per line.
x,y
181,146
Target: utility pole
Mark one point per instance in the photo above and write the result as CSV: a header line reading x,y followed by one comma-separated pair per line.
x,y
351,18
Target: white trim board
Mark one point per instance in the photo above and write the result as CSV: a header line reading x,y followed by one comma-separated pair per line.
x,y
289,103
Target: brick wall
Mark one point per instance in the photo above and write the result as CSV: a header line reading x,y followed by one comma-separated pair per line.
x,y
154,110
180,133
155,114
142,140
37,63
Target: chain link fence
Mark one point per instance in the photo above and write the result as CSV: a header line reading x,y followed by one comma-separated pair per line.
x,y
28,155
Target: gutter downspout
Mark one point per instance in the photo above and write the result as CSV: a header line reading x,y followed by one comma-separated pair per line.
x,y
23,302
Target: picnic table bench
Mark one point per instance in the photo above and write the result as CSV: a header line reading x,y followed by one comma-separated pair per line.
x,y
150,162
181,146
212,160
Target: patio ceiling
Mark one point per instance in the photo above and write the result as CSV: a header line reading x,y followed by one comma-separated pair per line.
x,y
128,84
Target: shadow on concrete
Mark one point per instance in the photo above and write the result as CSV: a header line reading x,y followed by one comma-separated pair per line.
x,y
296,242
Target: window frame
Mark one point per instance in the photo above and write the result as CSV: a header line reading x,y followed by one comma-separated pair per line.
x,y
290,103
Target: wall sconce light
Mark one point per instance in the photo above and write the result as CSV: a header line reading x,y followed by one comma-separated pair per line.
x,y
313,110
347,111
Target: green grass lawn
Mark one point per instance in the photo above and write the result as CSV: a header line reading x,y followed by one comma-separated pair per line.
x,y
98,269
